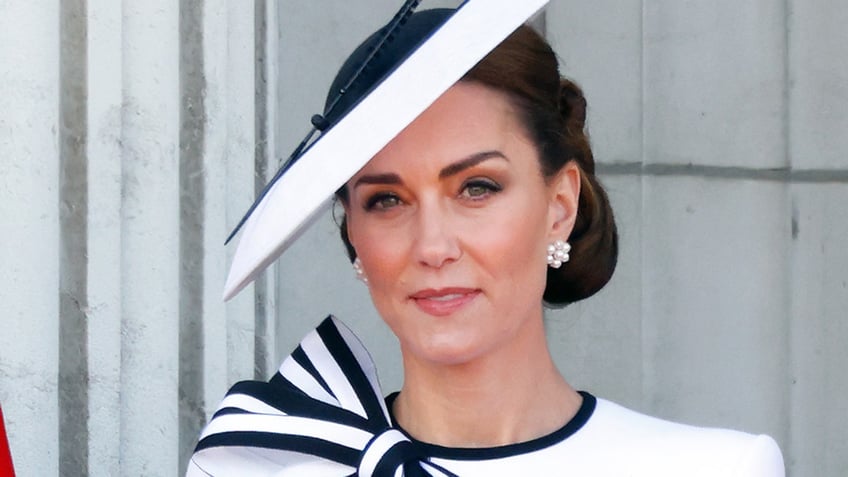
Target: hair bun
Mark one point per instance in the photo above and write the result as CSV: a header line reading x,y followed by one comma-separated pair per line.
x,y
572,104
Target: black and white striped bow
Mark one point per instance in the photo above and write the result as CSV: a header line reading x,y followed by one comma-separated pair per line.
x,y
323,413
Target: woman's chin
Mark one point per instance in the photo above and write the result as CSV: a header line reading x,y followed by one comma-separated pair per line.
x,y
446,350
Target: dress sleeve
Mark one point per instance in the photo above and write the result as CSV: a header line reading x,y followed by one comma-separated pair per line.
x,y
762,459
195,471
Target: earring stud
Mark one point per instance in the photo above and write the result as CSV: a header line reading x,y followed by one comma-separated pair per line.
x,y
360,273
558,253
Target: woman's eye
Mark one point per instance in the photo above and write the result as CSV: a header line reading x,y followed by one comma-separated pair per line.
x,y
382,202
479,189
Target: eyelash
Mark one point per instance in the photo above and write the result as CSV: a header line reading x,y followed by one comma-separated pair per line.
x,y
374,202
488,188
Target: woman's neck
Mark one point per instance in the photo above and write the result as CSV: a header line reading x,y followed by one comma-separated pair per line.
x,y
509,396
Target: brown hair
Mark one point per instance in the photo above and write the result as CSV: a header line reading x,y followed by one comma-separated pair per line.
x,y
553,111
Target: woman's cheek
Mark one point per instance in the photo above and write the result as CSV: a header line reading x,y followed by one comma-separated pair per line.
x,y
383,255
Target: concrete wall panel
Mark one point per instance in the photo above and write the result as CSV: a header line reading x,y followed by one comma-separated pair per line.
x,y
216,22
150,231
104,122
603,54
819,305
715,308
328,34
819,84
129,152
29,232
230,66
714,83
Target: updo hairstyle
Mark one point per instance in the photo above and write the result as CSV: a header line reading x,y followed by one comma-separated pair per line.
x,y
553,111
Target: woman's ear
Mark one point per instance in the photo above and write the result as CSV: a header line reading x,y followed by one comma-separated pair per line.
x,y
564,198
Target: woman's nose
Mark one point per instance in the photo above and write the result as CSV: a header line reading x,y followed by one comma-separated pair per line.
x,y
436,243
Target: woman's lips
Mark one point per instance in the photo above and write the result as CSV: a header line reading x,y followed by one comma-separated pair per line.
x,y
443,301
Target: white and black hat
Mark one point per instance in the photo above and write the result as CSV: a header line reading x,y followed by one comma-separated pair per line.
x,y
388,81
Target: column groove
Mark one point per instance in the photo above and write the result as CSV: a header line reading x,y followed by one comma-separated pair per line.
x,y
261,163
192,212
73,264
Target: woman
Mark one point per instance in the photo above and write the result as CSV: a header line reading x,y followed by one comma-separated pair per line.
x,y
482,209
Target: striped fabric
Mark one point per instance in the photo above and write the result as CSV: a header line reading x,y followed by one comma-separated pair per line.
x,y
322,413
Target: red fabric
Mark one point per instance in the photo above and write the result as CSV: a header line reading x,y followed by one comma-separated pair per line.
x,y
6,469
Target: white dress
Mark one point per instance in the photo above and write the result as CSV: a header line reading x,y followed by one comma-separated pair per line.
x,y
323,414
608,440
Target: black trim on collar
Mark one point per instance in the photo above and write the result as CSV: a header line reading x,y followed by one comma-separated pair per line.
x,y
587,408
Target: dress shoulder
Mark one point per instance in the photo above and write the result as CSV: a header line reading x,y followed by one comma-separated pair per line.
x,y
762,459
679,448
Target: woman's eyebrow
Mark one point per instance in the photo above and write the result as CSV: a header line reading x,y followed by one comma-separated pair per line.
x,y
390,178
469,162
387,178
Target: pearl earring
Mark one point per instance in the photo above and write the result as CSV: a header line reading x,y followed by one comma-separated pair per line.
x,y
558,253
360,273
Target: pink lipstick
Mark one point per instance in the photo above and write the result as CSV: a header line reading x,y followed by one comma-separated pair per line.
x,y
443,301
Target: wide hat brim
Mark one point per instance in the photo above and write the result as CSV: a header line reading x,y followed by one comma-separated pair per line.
x,y
297,197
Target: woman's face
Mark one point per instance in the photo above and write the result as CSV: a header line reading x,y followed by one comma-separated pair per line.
x,y
451,221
